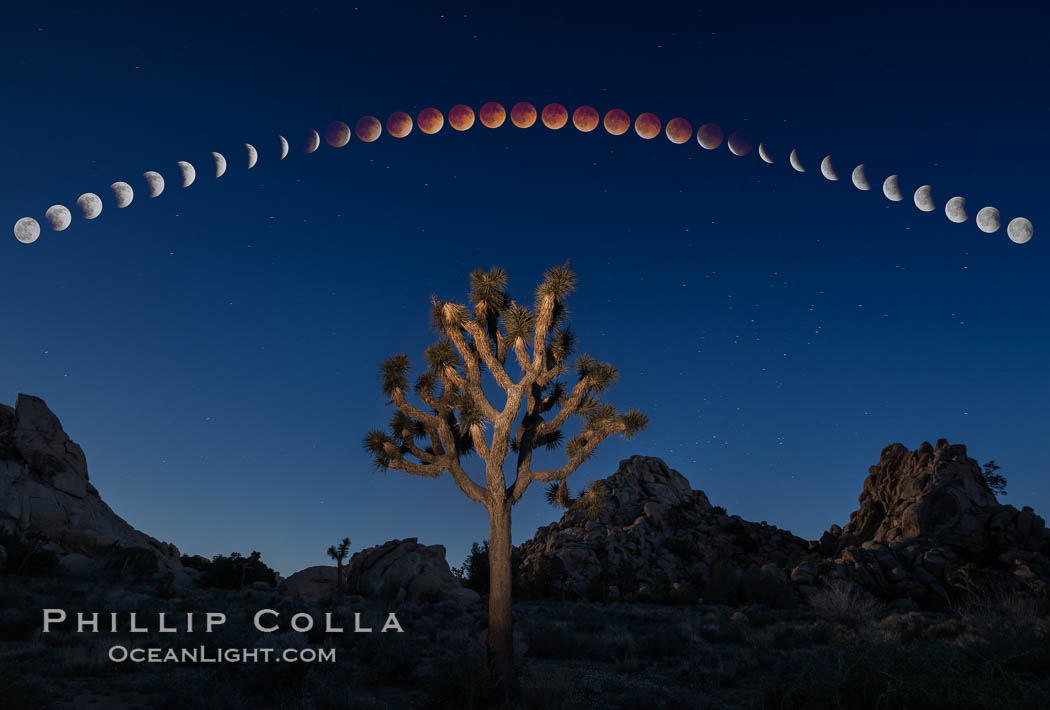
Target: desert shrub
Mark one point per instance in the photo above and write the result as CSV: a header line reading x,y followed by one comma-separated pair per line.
x,y
546,580
661,641
131,563
552,692
459,680
26,556
718,510
17,692
735,587
474,572
237,571
844,602
558,642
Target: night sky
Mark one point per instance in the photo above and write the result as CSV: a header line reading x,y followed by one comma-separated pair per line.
x,y
216,350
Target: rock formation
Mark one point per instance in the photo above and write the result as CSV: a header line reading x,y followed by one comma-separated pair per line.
x,y
312,583
405,570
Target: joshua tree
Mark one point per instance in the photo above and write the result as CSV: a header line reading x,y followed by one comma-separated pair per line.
x,y
995,480
457,417
339,554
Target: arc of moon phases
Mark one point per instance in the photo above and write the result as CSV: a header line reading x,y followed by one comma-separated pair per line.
x,y
430,121
647,125
58,217
738,144
795,162
827,169
585,118
155,181
709,136
891,188
988,220
860,178
220,163
123,193
924,199
399,124
955,210
188,172
90,205
253,154
523,114
1019,230
27,230
617,122
492,114
282,142
337,134
313,141
368,128
678,130
554,116
763,153
461,117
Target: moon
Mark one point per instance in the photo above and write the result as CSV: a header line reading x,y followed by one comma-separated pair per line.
x,y
399,124
313,140
709,136
523,114
647,125
492,115
795,162
188,172
461,117
58,217
284,150
337,134
368,128
988,220
924,199
430,120
891,188
617,122
155,181
1019,230
860,178
253,154
955,210
123,193
738,144
827,169
763,153
90,205
679,131
220,163
27,230
554,116
585,118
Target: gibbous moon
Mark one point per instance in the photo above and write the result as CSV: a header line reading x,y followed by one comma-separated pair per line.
x,y
399,124
492,115
58,217
738,144
763,153
27,230
155,181
220,163
709,136
461,117
90,205
313,141
123,193
891,188
647,125
188,172
337,134
585,118
827,169
795,162
368,128
678,131
284,150
554,116
955,210
430,121
253,154
1019,230
988,220
924,199
617,122
860,178
523,114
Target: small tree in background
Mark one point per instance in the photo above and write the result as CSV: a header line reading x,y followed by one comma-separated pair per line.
x,y
457,417
995,481
339,554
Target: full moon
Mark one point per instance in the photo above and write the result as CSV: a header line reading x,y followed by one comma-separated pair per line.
x,y
313,140
188,172
284,150
924,199
617,122
492,115
123,193
795,162
860,178
368,128
523,114
988,220
461,117
709,136
763,153
90,205
27,230
399,124
585,118
220,163
430,121
678,130
955,210
738,144
647,125
253,154
827,169
554,116
58,217
1019,230
155,181
337,134
891,188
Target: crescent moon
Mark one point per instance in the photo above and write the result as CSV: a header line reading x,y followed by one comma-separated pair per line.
x,y
764,153
988,220
123,193
738,144
795,162
90,205
189,173
155,181
1019,230
284,150
891,188
955,210
253,154
827,169
924,199
27,230
860,178
220,163
313,140
58,217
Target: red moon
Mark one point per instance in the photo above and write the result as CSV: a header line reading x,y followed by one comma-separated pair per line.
x,y
647,125
492,115
679,130
585,118
461,117
617,122
430,121
368,128
399,124
554,116
739,144
709,136
523,114
337,134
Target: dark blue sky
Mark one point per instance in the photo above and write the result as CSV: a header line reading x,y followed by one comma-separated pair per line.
x,y
215,350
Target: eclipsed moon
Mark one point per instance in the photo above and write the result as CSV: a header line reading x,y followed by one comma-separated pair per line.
x,y
585,118
795,162
155,181
27,230
1019,230
860,178
187,171
253,154
891,188
617,122
523,114
282,141
58,217
924,199
492,114
709,136
430,120
312,142
988,220
220,163
955,210
827,168
738,143
554,116
763,153
90,205
368,128
399,124
461,117
337,134
123,193
647,125
678,130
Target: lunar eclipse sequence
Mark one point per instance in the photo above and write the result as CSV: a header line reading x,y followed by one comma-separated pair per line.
x,y
554,116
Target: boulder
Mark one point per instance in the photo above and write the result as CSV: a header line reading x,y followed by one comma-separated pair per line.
x,y
405,570
312,583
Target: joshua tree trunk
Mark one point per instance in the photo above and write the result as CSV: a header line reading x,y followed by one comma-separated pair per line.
x,y
501,621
